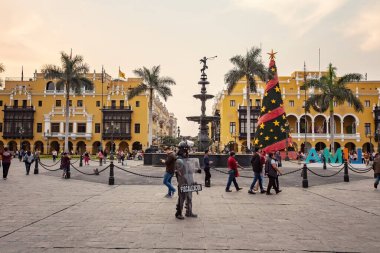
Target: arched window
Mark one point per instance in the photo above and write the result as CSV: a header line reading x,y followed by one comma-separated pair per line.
x,y
50,86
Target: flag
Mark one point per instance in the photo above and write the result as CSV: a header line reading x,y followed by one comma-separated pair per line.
x,y
121,74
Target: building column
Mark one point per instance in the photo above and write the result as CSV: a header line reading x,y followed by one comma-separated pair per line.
x,y
341,127
298,126
312,126
75,127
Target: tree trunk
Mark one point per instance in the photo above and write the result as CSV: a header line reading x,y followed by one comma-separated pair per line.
x,y
67,117
248,118
332,123
150,117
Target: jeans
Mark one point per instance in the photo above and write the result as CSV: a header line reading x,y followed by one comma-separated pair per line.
x,y
377,180
207,177
257,177
272,183
168,182
232,179
5,169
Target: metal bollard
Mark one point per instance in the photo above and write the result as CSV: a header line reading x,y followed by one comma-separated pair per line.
x,y
81,161
36,166
305,182
111,180
346,176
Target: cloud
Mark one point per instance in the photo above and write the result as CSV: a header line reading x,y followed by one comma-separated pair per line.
x,y
365,26
298,14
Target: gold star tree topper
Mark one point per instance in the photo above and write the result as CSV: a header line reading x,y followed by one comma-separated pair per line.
x,y
272,55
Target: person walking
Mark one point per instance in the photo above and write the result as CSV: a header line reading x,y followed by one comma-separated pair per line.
x,y
207,162
272,171
233,172
257,167
170,167
86,158
6,157
65,165
122,157
28,160
54,154
376,169
100,156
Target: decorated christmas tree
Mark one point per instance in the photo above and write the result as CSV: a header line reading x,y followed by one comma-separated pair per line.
x,y
270,135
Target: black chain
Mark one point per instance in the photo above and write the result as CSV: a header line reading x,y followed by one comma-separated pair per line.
x,y
284,174
137,174
319,175
47,164
43,166
366,170
90,174
336,166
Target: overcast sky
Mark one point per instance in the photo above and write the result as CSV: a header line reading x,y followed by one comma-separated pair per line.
x,y
176,34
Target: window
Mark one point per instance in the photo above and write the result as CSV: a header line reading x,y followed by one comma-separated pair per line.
x,y
1,102
24,103
232,127
81,128
58,103
39,127
367,128
97,103
15,103
250,102
257,102
232,103
97,128
39,103
243,126
70,103
80,103
1,127
137,128
113,103
137,103
367,103
70,127
55,127
291,103
121,103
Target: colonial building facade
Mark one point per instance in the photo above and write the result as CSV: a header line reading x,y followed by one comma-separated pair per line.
x,y
33,109
352,129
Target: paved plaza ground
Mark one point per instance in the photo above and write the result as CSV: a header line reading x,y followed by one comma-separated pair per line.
x,y
45,213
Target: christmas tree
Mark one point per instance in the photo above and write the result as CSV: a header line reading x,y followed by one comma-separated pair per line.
x,y
270,135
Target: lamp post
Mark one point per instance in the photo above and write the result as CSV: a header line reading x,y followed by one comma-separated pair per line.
x,y
112,128
304,84
21,132
369,135
286,141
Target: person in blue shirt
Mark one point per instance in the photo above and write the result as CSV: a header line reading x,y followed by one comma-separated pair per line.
x,y
207,162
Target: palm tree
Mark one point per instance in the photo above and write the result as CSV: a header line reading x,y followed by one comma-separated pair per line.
x,y
72,75
152,82
2,68
333,89
247,66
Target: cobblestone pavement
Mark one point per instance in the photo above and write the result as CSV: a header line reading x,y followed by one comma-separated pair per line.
x,y
42,213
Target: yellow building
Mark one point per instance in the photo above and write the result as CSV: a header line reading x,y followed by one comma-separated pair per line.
x,y
33,112
352,130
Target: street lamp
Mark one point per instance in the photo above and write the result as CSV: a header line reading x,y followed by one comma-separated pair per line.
x,y
21,132
112,129
46,136
369,135
286,140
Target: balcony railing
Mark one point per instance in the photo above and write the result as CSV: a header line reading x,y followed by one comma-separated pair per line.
x,y
18,107
118,107
116,136
325,136
71,135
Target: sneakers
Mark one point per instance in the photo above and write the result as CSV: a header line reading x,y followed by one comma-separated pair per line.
x,y
192,215
375,185
251,192
227,190
263,191
168,196
179,216
277,192
238,189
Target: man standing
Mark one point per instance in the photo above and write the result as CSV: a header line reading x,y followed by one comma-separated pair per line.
x,y
257,167
206,162
6,157
376,168
233,172
170,167
184,173
272,171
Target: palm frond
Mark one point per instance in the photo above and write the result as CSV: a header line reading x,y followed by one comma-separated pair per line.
x,y
137,91
352,77
52,72
164,92
238,61
232,77
2,68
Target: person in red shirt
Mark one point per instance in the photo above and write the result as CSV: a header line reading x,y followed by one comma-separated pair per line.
x,y
232,172
6,157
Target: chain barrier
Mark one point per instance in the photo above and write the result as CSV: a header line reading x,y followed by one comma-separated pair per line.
x,y
74,162
90,174
43,166
366,170
336,166
137,174
49,165
319,175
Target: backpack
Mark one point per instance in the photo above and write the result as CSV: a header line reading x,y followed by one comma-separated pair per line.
x,y
268,166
